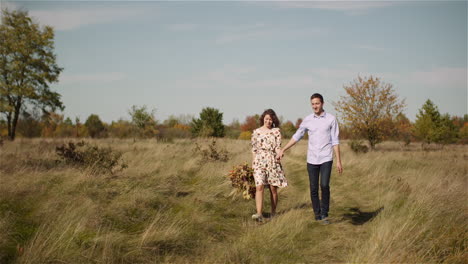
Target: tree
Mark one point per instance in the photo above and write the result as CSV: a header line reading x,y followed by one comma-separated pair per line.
x,y
431,126
288,129
95,126
369,108
298,123
27,67
80,130
402,129
233,129
209,124
50,123
29,125
250,123
427,123
144,120
448,130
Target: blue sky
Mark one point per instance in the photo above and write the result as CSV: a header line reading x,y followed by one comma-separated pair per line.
x,y
243,57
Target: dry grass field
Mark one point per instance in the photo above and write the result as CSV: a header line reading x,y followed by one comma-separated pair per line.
x,y
392,205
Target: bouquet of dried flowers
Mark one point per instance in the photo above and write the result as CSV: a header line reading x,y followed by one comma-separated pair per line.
x,y
243,181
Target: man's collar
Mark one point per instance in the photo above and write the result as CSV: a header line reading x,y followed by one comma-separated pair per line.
x,y
322,115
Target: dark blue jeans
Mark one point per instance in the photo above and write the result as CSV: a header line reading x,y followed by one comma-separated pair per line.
x,y
324,170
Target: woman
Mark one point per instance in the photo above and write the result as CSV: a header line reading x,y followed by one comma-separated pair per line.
x,y
266,143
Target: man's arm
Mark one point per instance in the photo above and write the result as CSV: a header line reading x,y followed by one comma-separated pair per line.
x,y
336,148
335,133
291,143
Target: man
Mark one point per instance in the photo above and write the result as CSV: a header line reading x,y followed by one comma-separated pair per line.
x,y
323,132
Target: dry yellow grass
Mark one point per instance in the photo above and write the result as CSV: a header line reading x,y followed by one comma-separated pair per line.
x,y
392,205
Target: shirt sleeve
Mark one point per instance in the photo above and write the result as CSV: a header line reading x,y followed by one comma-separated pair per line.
x,y
335,132
300,131
253,142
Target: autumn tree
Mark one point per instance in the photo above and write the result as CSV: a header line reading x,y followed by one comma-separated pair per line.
x,y
65,129
298,123
369,108
461,123
121,129
402,129
250,123
50,122
209,124
80,130
27,67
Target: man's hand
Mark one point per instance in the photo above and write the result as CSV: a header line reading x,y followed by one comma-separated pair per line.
x,y
339,167
279,155
336,148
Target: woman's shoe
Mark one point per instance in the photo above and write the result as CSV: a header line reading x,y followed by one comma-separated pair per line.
x,y
257,217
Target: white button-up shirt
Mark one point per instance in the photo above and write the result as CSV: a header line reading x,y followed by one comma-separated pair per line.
x,y
323,134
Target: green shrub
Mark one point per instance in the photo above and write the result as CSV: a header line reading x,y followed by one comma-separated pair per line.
x,y
99,160
358,147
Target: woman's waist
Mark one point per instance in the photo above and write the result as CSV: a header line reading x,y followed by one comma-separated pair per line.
x,y
267,151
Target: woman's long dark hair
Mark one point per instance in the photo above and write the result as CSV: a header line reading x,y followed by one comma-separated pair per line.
x,y
272,114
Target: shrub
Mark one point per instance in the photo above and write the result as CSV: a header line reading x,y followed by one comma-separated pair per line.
x,y
95,126
212,153
99,160
245,135
232,133
173,132
243,181
288,129
358,147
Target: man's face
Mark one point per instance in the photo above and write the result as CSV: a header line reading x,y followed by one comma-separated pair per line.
x,y
317,106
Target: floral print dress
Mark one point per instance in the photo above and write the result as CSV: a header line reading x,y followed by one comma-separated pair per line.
x,y
267,170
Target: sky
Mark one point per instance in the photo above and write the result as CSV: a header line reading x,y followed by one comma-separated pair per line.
x,y
243,57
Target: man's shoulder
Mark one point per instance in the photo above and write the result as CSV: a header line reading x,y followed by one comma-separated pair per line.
x,y
330,116
308,117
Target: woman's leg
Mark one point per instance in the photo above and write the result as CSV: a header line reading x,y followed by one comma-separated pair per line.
x,y
274,198
259,198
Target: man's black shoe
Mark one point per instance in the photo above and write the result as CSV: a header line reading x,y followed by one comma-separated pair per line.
x,y
324,220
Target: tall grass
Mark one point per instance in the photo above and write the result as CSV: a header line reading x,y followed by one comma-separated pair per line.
x,y
170,206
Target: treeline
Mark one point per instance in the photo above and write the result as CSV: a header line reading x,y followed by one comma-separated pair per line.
x,y
430,126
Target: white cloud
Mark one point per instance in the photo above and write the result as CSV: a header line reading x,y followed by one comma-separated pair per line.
x,y
440,77
371,48
348,6
92,77
246,35
182,27
69,19
264,31
334,5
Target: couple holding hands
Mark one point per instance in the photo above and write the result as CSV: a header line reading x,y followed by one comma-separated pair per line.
x,y
322,129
